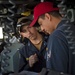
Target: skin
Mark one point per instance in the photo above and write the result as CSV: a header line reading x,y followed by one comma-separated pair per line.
x,y
33,59
49,23
30,33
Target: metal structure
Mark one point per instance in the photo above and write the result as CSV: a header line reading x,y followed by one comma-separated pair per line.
x,y
10,52
8,30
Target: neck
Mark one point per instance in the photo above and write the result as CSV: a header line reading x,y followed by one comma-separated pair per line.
x,y
57,21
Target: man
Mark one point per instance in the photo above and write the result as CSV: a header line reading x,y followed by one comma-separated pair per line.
x,y
60,53
33,53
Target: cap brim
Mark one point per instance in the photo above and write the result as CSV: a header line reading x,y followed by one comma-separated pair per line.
x,y
33,22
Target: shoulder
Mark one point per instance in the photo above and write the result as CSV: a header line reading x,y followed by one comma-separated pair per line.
x,y
58,35
22,49
57,41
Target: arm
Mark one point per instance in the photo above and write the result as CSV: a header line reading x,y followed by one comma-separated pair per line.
x,y
57,54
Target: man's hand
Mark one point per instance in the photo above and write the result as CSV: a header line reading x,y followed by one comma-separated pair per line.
x,y
33,59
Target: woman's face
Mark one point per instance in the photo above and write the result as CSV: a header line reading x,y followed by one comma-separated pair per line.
x,y
29,32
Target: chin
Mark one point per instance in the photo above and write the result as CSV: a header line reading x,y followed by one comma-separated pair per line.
x,y
46,32
32,38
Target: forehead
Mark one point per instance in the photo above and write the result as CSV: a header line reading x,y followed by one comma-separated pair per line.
x,y
25,27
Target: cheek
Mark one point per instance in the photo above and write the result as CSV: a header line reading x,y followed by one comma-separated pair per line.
x,y
47,25
25,35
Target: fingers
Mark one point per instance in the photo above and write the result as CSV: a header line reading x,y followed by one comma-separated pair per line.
x,y
33,59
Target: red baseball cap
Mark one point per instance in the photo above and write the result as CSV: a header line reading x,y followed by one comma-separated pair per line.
x,y
42,8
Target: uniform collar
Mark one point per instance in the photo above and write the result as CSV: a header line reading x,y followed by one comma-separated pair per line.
x,y
62,22
44,44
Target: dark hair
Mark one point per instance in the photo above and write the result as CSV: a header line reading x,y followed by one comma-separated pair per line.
x,y
53,13
23,22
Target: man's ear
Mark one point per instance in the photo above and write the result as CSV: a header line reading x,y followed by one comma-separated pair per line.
x,y
48,16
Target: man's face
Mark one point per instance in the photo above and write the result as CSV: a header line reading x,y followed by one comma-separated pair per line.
x,y
45,25
29,32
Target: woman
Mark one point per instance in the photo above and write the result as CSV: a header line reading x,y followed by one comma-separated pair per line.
x,y
33,53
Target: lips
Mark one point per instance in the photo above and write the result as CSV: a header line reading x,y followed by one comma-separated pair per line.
x,y
45,32
31,36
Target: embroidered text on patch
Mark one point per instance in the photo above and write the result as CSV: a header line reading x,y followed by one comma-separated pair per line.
x,y
48,55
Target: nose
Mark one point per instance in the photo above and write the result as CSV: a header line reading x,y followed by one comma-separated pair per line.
x,y
42,29
29,32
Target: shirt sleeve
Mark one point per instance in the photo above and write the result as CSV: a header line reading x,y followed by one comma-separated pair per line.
x,y
57,54
23,63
